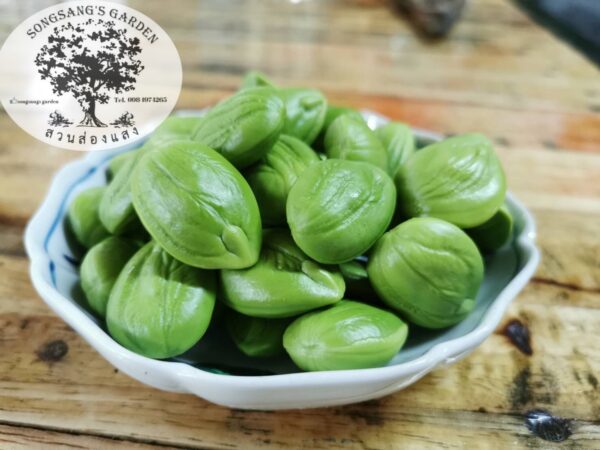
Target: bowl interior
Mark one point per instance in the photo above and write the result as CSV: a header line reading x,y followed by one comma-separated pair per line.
x,y
215,352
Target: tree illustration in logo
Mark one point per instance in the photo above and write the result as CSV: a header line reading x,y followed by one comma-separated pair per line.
x,y
90,60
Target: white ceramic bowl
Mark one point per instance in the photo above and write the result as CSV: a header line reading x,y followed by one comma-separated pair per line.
x,y
55,277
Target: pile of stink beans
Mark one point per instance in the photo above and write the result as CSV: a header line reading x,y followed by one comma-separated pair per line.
x,y
317,235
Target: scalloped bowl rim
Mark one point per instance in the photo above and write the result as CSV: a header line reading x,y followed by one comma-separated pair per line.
x,y
442,353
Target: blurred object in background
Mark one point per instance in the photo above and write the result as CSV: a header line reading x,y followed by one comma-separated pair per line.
x,y
576,21
431,18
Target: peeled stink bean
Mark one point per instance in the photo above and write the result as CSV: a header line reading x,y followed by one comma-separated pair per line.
x,y
347,335
428,270
338,209
197,206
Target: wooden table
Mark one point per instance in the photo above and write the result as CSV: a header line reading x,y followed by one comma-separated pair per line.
x,y
498,73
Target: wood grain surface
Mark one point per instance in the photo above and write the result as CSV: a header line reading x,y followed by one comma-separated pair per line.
x,y
497,73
